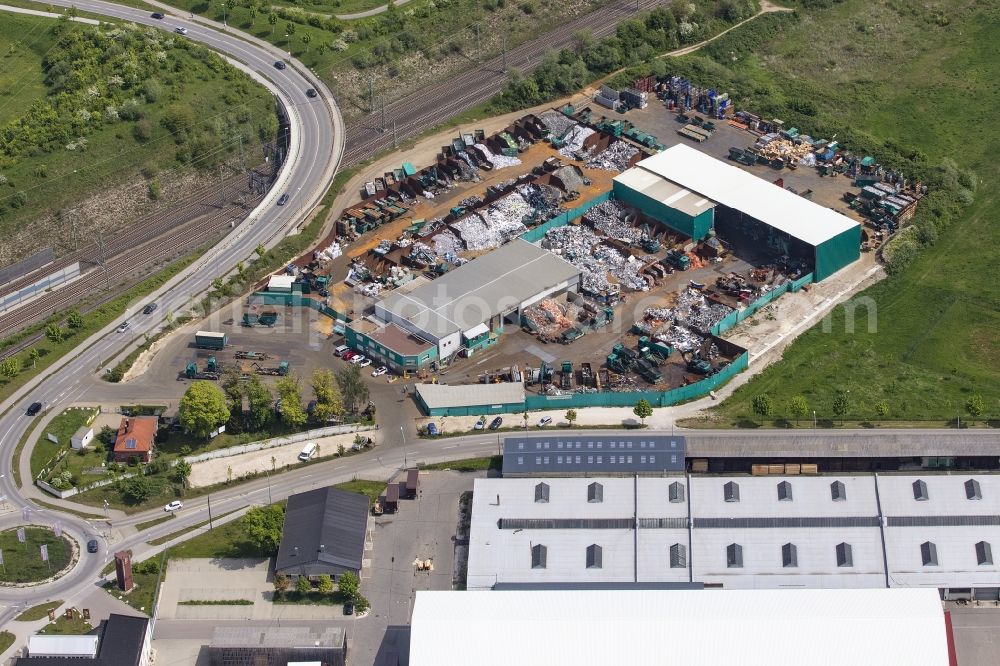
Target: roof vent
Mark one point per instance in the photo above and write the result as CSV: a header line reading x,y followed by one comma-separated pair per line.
x,y
539,556
678,556
972,490
676,491
845,555
928,554
731,491
595,556
984,553
920,491
838,492
542,492
784,491
734,556
789,555
595,493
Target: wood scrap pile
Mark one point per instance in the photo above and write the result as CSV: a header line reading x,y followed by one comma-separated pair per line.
x,y
783,149
549,318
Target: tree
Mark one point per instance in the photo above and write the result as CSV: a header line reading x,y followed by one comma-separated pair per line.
x,y
233,388
259,401
798,407
260,250
253,14
353,388
303,586
348,584
306,38
262,527
643,410
281,582
203,408
54,333
181,471
136,489
975,406
341,450
571,416
108,435
882,409
292,412
841,405
290,31
325,584
33,355
8,368
74,319
762,406
272,18
361,603
329,402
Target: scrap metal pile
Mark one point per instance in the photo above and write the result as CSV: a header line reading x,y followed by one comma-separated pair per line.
x,y
557,123
696,311
549,318
615,157
496,225
573,141
612,218
498,161
678,326
599,263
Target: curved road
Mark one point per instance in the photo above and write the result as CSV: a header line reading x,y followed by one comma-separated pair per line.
x,y
315,148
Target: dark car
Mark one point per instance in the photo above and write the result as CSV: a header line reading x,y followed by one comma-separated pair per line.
x,y
279,64
349,608
495,423
33,408
92,546
157,15
149,309
283,200
311,92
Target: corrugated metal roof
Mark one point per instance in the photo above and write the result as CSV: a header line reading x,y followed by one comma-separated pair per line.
x,y
743,191
324,532
492,284
812,627
439,396
622,453
62,646
660,189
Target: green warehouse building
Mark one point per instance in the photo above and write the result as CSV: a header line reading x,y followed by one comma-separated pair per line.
x,y
695,193
390,345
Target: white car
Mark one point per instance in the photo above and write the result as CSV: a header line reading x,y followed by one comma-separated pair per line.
x,y
545,421
174,506
357,359
379,371
124,327
365,363
181,30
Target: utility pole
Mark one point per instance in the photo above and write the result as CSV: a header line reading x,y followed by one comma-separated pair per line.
x,y
383,111
102,260
505,52
393,132
243,166
479,45
210,526
222,190
371,94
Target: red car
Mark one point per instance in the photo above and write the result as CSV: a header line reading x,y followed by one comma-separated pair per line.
x,y
348,355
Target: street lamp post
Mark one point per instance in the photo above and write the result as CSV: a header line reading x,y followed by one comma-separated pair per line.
x,y
814,419
268,474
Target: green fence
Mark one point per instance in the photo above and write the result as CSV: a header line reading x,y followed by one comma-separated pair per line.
x,y
296,300
562,219
734,318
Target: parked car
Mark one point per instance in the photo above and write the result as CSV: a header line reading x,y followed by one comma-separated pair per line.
x,y
174,506
357,359
283,199
33,408
279,64
181,30
432,429
545,421
308,452
365,363
157,15
124,327
92,546
349,608
480,424
348,355
311,92
149,309
379,371
496,423
341,350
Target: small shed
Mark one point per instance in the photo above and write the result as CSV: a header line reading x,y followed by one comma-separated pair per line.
x,y
280,284
82,437
412,482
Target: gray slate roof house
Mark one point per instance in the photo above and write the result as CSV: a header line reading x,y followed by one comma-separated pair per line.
x,y
324,533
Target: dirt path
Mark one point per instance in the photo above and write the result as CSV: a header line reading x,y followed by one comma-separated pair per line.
x,y
765,8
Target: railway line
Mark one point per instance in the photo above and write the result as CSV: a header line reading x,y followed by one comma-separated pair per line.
x,y
417,111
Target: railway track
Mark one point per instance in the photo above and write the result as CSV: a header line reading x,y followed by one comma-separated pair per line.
x,y
436,104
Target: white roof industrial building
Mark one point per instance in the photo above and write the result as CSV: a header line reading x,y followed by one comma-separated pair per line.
x,y
492,286
846,531
746,627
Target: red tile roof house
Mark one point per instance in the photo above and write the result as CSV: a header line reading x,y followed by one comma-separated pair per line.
x,y
136,436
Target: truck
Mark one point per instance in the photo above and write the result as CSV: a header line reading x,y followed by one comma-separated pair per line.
x,y
192,372
677,259
566,376
252,355
280,371
210,340
587,374
268,318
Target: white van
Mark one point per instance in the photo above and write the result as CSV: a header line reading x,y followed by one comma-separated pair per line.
x,y
309,452
339,351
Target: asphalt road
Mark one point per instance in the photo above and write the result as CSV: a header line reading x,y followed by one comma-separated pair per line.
x,y
315,149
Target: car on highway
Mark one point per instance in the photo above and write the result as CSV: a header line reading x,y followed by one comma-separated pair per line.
x,y
279,64
149,309
157,15
357,359
379,371
124,327
432,430
92,546
365,363
545,421
180,30
283,199
311,92
33,408
480,424
174,506
496,423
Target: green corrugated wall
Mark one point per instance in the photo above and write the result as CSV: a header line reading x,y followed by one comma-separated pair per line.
x,y
839,251
697,227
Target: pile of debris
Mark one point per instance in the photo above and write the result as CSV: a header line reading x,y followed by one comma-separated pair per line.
x,y
570,176
598,263
697,312
614,219
549,318
615,157
557,123
329,253
772,146
573,141
446,243
498,161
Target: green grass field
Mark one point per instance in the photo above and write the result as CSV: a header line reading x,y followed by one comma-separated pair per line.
x,y
23,561
63,426
897,79
39,611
